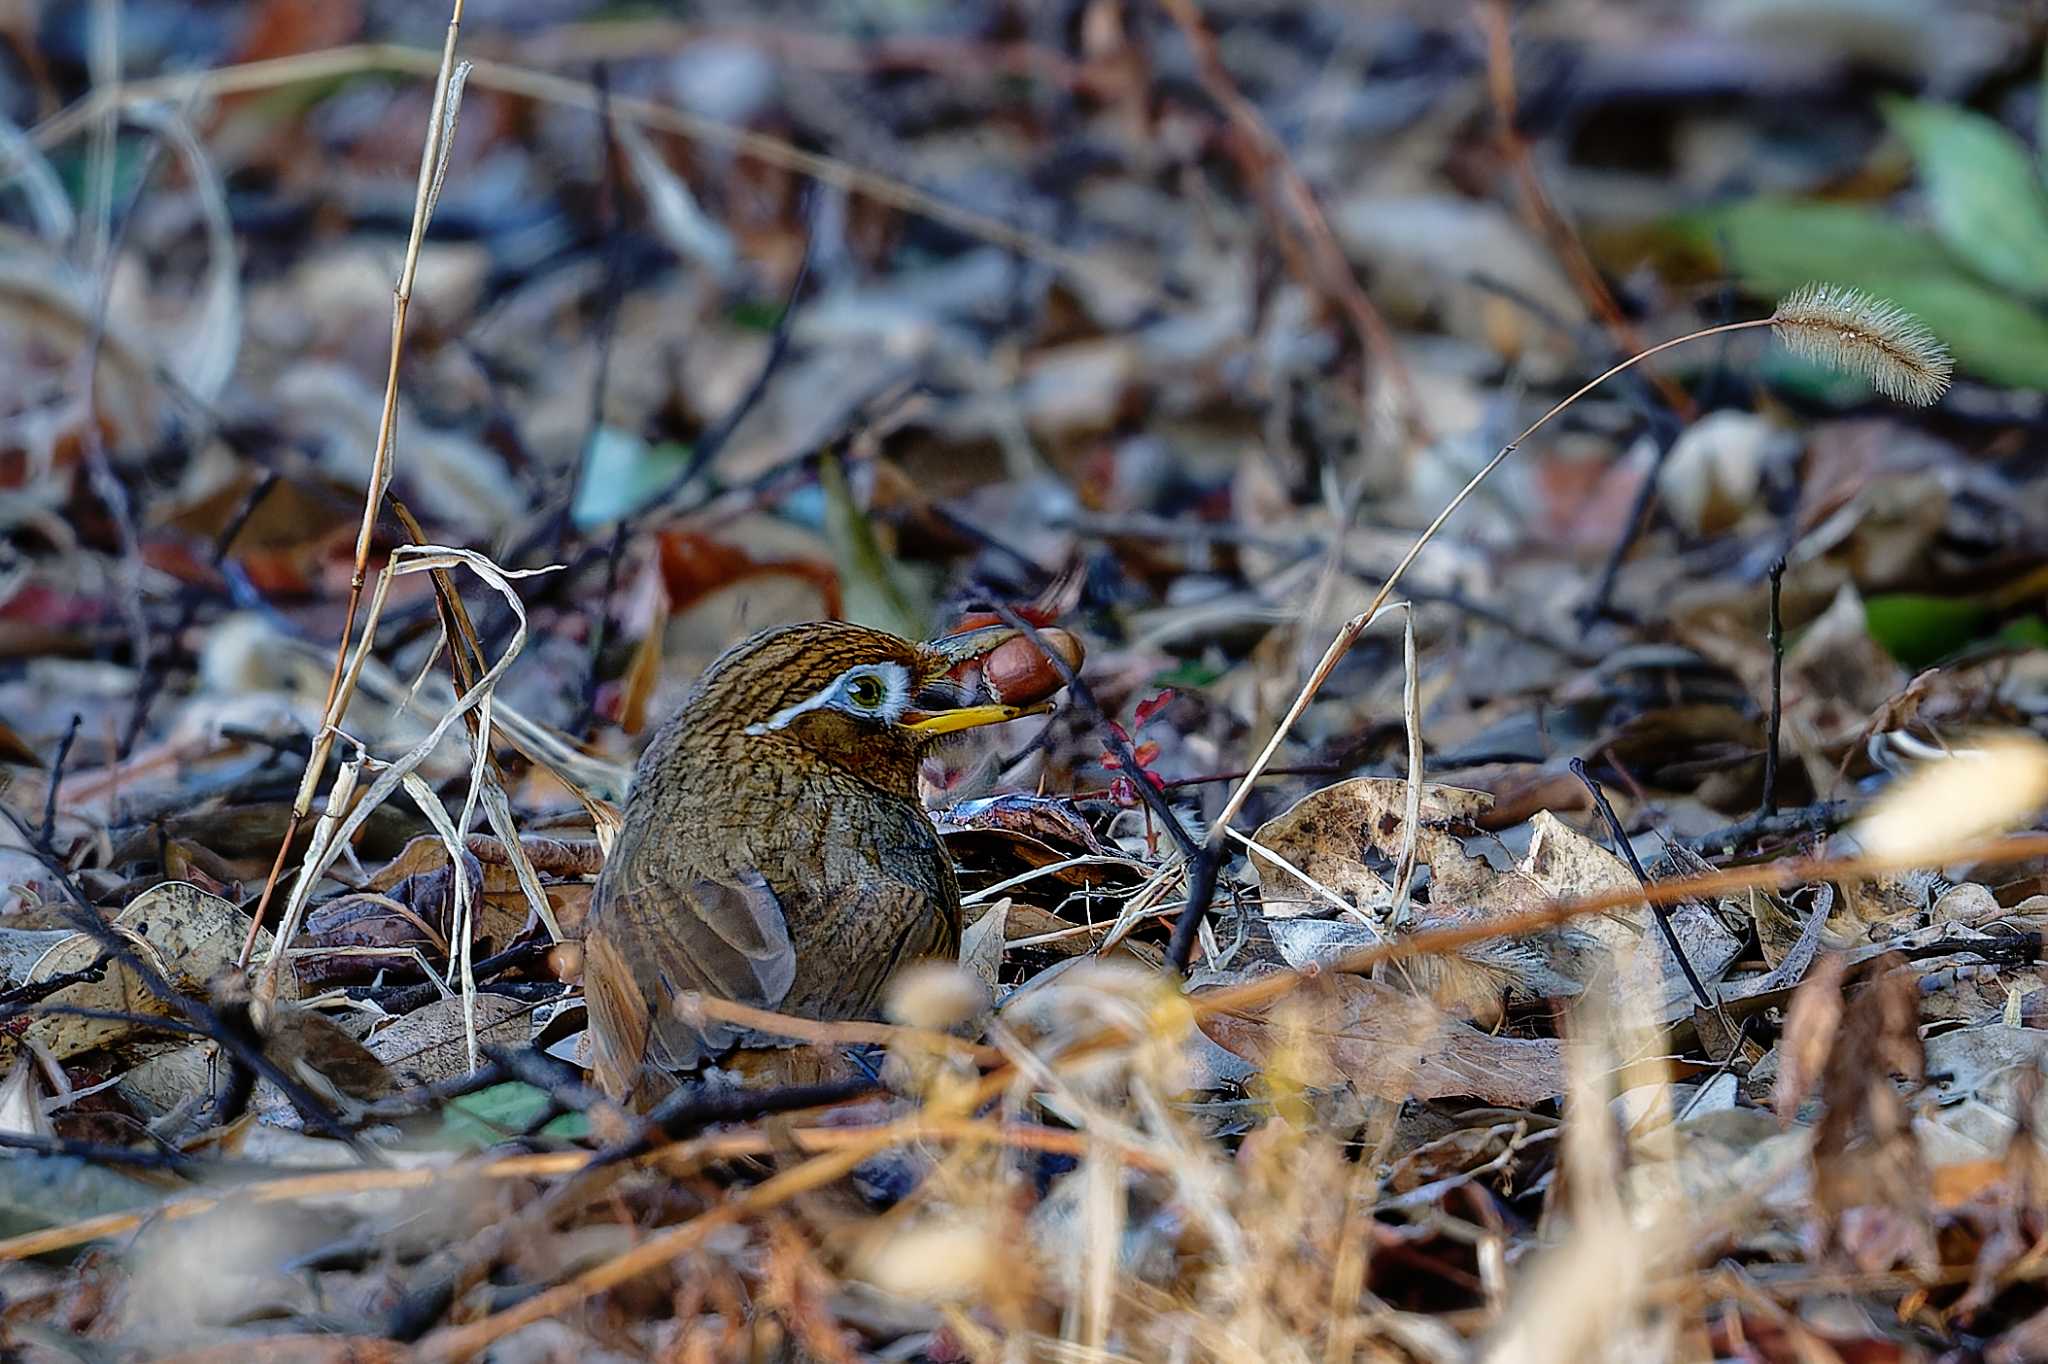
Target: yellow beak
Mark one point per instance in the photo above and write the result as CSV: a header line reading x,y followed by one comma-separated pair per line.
x,y
967,717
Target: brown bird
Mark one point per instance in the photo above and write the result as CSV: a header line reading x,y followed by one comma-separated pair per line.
x,y
774,851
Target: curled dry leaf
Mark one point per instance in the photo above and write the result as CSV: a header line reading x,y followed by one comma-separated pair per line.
x,y
1871,1186
981,948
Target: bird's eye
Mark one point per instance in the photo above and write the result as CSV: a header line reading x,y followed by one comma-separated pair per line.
x,y
866,691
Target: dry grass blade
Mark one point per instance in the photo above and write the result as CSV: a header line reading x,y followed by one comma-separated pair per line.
x,y
203,358
405,560
1858,333
433,167
1838,327
22,164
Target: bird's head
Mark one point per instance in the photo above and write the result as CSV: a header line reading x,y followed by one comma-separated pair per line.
x,y
860,699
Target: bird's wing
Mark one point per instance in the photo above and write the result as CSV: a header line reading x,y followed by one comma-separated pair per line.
x,y
904,910
657,929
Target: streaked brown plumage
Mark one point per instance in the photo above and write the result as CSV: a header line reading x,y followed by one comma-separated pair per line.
x,y
774,851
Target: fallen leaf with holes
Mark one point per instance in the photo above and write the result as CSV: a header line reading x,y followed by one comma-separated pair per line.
x,y
1338,836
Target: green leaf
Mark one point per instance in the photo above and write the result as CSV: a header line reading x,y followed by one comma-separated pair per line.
x,y
1775,245
1986,204
621,474
1919,630
2028,632
489,1116
756,315
1188,675
1992,335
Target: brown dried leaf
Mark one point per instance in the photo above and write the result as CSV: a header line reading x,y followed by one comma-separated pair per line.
x,y
181,930
1810,1026
427,1044
1397,1046
1882,1178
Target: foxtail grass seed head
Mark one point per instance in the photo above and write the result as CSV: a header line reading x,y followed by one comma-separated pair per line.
x,y
1858,333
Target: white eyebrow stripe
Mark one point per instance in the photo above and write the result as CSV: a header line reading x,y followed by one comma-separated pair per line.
x,y
895,679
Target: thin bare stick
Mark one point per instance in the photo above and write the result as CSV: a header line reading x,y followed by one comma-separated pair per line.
x,y
674,1156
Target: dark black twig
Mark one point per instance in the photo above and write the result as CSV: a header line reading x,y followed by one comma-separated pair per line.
x,y
1204,860
1777,721
166,1157
1079,692
1180,948
1806,819
688,1112
23,998
600,387
707,446
101,477
600,631
49,829
1037,574
703,451
1627,850
404,999
1664,431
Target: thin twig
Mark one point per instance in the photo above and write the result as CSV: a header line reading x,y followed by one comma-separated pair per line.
x,y
49,827
1664,431
1662,913
154,678
23,998
1084,698
1208,864
1816,818
712,442
1769,805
